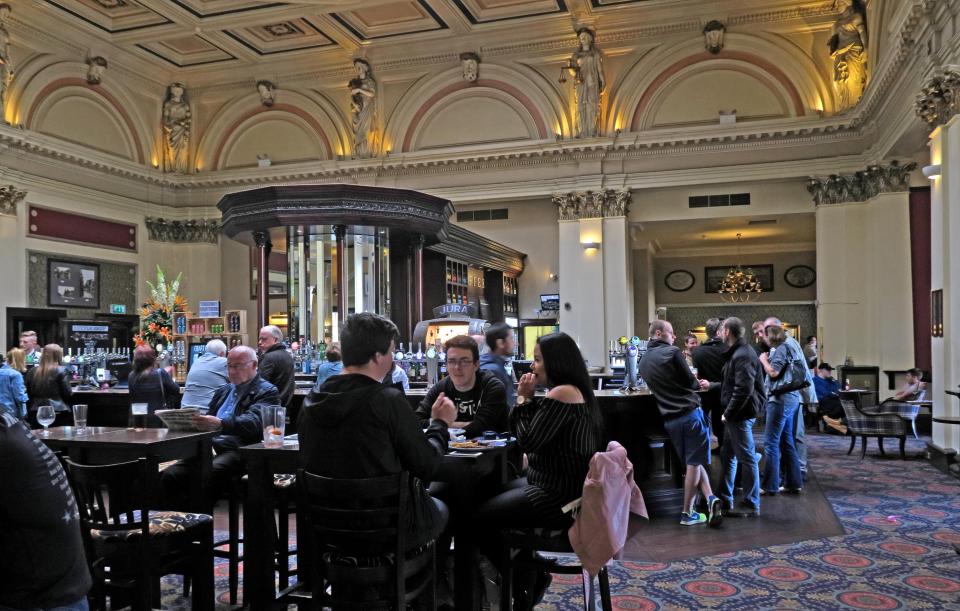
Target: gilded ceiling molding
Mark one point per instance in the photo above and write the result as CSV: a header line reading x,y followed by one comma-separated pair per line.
x,y
607,203
10,196
939,100
182,232
861,186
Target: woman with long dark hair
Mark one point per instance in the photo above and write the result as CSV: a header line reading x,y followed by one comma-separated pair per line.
x,y
151,384
49,384
559,433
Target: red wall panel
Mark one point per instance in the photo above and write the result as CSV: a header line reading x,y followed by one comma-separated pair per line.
x,y
70,227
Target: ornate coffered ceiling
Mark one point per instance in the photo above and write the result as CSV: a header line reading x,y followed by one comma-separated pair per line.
x,y
221,39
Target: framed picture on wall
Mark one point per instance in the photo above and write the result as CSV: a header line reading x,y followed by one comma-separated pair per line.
x,y
713,276
72,284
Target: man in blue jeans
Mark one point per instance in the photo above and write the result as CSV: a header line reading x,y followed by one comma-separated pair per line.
x,y
741,396
675,388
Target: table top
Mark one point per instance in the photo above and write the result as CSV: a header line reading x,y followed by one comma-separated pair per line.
x,y
947,419
115,436
291,446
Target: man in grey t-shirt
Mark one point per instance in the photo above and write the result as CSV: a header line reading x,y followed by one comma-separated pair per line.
x,y
206,375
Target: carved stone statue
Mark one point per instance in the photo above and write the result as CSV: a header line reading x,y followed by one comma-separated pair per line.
x,y
267,91
848,48
95,69
6,62
713,36
363,108
587,65
176,130
470,62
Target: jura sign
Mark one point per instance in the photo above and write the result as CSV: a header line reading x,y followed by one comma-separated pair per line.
x,y
455,309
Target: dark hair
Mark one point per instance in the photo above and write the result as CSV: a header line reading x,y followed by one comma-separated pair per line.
x,y
735,327
333,353
464,342
916,372
564,364
144,358
810,337
496,332
712,326
776,335
364,335
690,335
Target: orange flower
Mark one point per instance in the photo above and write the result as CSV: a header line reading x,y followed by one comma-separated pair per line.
x,y
152,326
144,311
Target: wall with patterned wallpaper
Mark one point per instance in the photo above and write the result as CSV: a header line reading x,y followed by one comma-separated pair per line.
x,y
689,317
118,284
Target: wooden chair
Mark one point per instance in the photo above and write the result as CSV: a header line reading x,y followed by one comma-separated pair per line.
x,y
356,555
864,424
529,541
129,547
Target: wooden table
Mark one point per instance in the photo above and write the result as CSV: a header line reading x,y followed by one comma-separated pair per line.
x,y
259,534
104,444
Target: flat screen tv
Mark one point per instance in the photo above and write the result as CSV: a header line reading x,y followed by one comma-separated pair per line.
x,y
550,302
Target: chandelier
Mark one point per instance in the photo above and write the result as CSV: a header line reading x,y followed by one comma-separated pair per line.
x,y
740,285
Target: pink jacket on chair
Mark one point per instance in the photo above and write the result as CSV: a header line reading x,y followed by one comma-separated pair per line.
x,y
609,497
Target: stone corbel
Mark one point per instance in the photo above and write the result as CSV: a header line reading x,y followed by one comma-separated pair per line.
x,y
861,186
939,100
592,204
10,196
182,232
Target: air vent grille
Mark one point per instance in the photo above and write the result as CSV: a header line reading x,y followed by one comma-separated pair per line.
x,y
721,199
491,214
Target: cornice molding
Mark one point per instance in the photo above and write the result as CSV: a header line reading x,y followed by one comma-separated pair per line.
x,y
10,196
863,185
182,232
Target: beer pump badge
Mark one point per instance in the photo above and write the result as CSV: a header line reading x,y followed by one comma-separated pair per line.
x,y
622,340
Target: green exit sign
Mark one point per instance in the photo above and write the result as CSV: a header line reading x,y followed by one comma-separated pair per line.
x,y
118,308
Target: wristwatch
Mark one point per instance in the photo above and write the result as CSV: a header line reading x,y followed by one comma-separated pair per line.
x,y
521,400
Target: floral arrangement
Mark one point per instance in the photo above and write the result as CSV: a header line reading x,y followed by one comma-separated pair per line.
x,y
156,314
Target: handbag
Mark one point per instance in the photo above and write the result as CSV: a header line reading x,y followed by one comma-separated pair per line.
x,y
793,377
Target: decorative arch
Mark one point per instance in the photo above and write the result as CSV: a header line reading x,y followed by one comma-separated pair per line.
x,y
229,123
782,67
42,96
539,106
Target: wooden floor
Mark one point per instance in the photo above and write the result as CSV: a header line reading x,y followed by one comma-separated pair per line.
x,y
784,518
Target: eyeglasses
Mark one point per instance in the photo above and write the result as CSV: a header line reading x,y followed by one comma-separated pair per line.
x,y
238,365
460,362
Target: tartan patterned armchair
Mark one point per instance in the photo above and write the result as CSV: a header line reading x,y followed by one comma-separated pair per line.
x,y
882,424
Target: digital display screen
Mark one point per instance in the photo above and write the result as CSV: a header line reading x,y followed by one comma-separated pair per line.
x,y
195,351
550,302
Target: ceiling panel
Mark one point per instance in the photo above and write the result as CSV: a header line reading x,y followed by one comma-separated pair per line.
x,y
489,11
111,16
187,51
392,19
214,8
281,37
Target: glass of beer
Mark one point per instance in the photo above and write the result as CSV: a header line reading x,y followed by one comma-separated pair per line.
x,y
274,424
138,415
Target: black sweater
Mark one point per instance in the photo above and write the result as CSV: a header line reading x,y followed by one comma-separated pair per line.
x,y
742,393
488,396
665,371
276,367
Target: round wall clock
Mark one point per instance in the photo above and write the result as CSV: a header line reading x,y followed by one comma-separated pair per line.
x,y
679,280
800,276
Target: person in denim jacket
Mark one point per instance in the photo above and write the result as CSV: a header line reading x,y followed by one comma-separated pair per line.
x,y
13,393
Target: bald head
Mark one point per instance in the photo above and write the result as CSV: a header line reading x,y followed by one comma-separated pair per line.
x,y
663,331
241,364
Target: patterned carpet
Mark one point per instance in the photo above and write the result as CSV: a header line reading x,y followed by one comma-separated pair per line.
x,y
901,518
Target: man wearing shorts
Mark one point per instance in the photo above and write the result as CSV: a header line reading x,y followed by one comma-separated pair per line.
x,y
675,388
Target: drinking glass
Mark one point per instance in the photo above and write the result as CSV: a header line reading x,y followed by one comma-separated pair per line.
x,y
80,416
274,424
138,412
46,416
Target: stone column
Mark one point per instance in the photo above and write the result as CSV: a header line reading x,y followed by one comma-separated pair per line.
x,y
939,106
340,232
417,251
596,288
264,246
865,306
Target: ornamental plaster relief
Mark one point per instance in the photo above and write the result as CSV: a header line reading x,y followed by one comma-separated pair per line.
x,y
863,185
10,196
181,232
606,203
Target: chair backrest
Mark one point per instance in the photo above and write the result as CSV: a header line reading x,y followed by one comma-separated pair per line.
x,y
110,498
364,520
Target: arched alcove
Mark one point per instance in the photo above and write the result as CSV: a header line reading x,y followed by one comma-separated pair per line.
x,y
475,116
283,136
79,115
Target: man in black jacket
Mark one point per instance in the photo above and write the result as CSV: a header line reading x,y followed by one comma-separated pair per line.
x,y
276,363
355,427
235,412
742,395
675,388
478,396
709,359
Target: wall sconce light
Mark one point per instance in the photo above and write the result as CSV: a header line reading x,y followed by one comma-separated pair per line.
x,y
590,245
554,276
931,171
